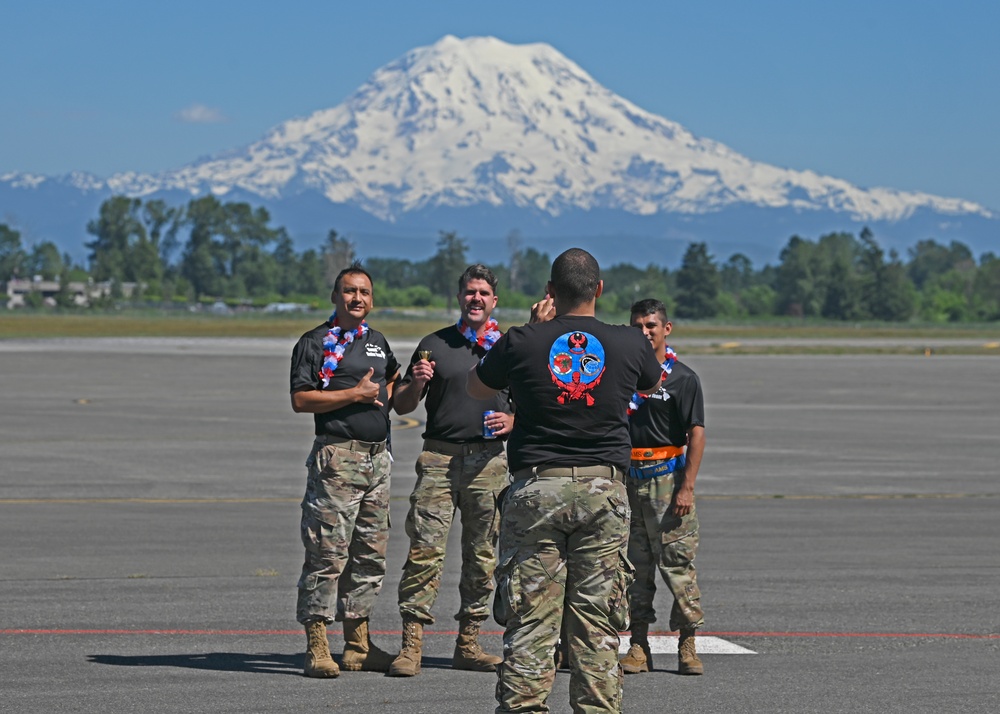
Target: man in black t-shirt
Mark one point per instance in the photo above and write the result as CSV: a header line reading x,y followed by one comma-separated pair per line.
x,y
344,373
564,521
668,441
457,469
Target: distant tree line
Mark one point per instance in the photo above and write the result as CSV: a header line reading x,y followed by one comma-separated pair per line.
x,y
210,250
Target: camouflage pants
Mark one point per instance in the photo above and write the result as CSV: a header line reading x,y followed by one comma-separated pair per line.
x,y
345,530
469,483
562,544
659,540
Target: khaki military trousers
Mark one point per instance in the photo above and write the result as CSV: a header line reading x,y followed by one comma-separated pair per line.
x,y
661,541
345,531
562,544
446,482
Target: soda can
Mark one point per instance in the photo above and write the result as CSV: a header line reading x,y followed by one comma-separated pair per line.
x,y
487,432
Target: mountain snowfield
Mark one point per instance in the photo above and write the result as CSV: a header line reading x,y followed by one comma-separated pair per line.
x,y
481,121
480,125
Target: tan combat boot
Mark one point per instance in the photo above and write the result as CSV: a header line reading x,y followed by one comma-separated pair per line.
x,y
360,653
687,658
638,659
407,662
468,654
319,663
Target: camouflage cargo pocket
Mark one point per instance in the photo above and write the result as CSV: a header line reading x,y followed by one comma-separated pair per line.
x,y
311,459
507,590
618,609
679,546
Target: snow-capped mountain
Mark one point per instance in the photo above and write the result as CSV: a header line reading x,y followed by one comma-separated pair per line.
x,y
514,130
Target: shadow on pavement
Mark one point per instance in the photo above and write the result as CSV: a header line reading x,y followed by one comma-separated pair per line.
x,y
262,663
435,662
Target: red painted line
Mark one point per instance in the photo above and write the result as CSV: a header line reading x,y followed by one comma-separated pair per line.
x,y
937,635
452,633
150,632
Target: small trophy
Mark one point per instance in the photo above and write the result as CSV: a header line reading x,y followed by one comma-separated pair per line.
x,y
425,354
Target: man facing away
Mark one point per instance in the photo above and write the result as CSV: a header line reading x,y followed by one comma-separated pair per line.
x,y
668,440
564,521
343,373
457,469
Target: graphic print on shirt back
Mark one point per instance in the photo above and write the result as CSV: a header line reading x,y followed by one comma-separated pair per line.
x,y
576,362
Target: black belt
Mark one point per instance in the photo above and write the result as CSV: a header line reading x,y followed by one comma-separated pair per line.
x,y
572,472
364,447
462,448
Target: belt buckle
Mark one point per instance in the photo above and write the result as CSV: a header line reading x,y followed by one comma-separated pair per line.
x,y
648,453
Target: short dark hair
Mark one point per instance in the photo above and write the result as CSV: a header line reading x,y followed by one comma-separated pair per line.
x,y
575,277
478,271
354,268
648,307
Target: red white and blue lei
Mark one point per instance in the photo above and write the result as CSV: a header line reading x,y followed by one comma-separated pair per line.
x,y
667,367
487,339
334,344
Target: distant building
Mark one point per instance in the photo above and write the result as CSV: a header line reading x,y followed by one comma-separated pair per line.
x,y
14,291
287,307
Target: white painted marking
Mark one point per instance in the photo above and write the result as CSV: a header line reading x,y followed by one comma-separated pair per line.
x,y
667,644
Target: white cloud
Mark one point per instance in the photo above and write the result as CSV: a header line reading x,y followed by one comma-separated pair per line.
x,y
200,114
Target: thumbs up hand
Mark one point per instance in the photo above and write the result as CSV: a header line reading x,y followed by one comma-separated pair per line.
x,y
368,390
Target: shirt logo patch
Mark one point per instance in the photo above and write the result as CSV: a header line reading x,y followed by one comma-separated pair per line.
x,y
374,351
576,364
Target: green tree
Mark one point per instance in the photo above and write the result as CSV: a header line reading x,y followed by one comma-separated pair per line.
x,y
76,271
162,223
45,260
64,296
534,271
625,283
259,273
929,260
224,254
12,256
697,283
899,293
338,253
447,265
886,291
795,279
397,273
203,263
736,274
759,300
33,299
245,232
311,278
514,244
122,248
288,267
737,279
986,288
835,270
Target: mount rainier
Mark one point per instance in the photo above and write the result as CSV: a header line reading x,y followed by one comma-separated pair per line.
x,y
484,137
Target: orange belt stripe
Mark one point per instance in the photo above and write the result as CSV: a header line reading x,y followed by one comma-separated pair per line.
x,y
658,453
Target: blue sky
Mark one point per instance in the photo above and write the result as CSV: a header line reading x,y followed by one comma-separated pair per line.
x,y
881,92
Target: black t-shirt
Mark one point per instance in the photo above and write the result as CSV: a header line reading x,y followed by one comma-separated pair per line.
x,y
666,416
365,422
571,379
452,415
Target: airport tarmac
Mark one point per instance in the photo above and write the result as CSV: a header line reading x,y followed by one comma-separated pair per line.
x,y
149,513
